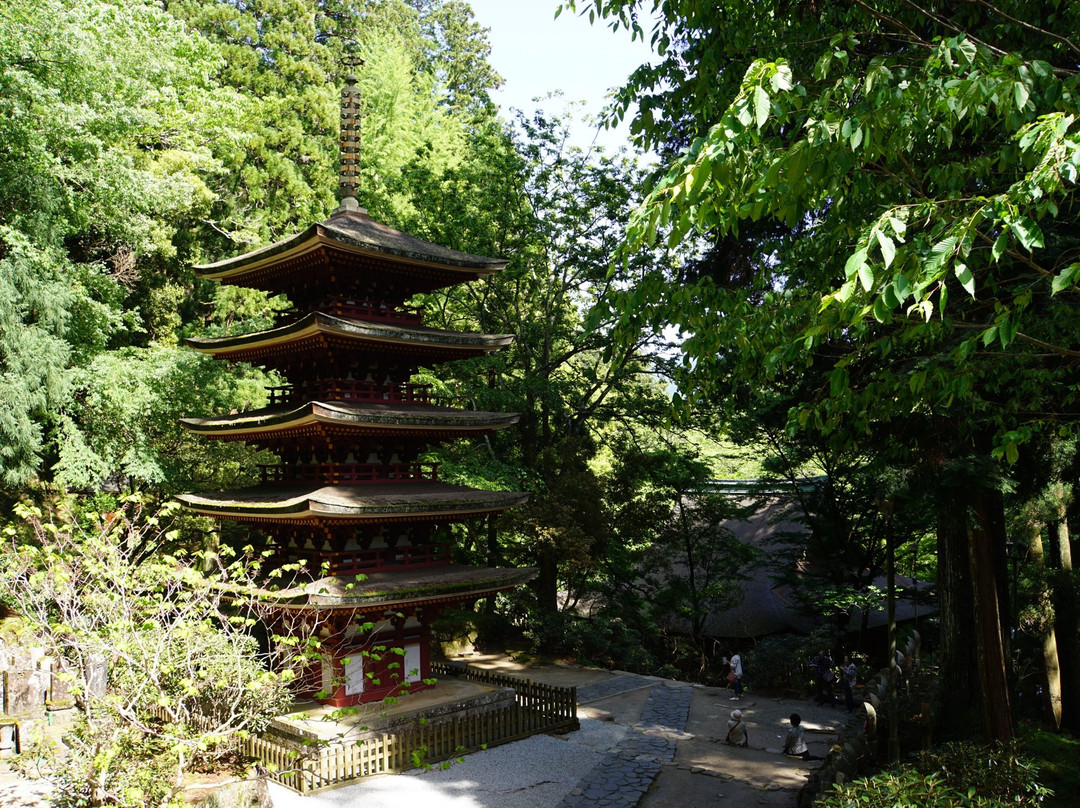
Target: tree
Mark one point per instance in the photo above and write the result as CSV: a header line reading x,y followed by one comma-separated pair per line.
x,y
157,656
122,429
106,114
693,567
916,159
556,212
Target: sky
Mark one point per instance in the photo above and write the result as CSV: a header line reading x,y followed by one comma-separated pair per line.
x,y
537,54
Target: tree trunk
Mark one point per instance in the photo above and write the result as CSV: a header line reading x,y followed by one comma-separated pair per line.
x,y
547,582
986,552
959,704
971,637
1066,622
1051,663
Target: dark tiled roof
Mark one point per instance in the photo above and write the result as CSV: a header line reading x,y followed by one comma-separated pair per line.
x,y
355,414
317,322
376,502
358,230
419,585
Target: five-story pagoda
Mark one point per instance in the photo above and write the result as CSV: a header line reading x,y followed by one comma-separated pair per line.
x,y
350,496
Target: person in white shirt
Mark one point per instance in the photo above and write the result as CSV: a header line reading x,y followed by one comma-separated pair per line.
x,y
795,743
737,670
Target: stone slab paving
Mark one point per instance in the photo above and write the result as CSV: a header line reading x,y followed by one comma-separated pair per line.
x,y
624,776
615,686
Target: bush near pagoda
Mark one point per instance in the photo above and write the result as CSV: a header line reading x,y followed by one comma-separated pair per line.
x,y
148,646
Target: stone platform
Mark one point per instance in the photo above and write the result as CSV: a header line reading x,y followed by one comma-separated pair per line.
x,y
450,698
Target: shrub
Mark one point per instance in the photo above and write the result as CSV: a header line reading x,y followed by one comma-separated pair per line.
x,y
779,662
604,641
955,775
150,645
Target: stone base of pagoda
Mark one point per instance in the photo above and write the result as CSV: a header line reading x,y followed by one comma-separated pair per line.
x,y
451,699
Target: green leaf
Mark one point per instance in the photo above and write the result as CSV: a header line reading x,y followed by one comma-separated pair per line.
x,y
1020,94
838,382
967,280
1001,243
888,294
940,252
1007,331
967,50
761,106
888,249
1027,233
856,138
781,80
854,263
1065,278
866,276
881,310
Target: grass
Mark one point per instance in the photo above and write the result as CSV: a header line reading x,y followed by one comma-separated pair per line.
x,y
1056,756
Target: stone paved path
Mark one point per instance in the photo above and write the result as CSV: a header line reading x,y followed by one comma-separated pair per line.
x,y
616,685
624,776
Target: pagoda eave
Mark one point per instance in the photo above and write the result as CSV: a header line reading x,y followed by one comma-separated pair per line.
x,y
318,332
337,419
356,503
379,592
354,236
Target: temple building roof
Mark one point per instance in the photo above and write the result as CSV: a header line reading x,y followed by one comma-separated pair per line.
x,y
353,234
317,331
352,417
382,590
389,502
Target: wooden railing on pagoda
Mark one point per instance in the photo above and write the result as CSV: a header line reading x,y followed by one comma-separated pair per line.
x,y
349,390
349,473
385,558
367,310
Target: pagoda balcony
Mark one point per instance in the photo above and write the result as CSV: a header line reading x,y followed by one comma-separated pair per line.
x,y
385,558
349,390
366,310
350,473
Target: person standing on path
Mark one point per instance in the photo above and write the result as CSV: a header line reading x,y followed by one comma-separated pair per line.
x,y
848,676
737,672
823,666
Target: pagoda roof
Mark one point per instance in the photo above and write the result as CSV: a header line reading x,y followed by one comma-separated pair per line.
x,y
354,233
318,330
338,416
384,589
393,502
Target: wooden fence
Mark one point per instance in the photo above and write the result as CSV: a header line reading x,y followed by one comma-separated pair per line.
x,y
537,708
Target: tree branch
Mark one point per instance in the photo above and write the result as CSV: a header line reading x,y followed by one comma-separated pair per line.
x,y
1023,24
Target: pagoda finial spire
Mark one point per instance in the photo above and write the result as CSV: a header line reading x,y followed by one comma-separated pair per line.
x,y
349,179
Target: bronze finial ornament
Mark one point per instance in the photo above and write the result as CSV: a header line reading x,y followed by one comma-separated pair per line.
x,y
349,180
